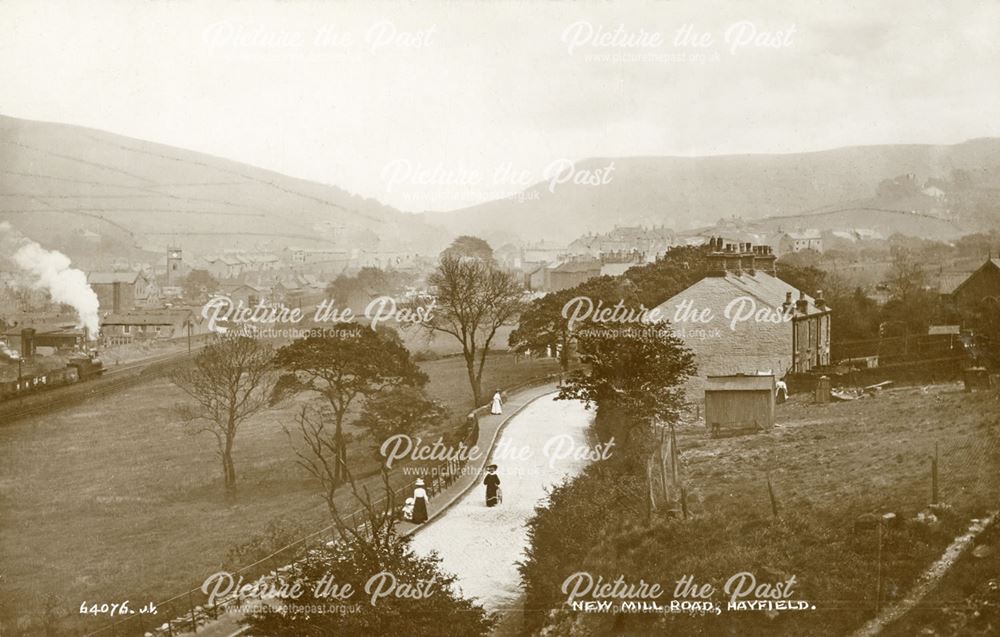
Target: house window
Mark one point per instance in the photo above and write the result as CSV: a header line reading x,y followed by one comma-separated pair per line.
x,y
126,329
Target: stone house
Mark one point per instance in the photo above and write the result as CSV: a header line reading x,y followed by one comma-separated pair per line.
x,y
740,318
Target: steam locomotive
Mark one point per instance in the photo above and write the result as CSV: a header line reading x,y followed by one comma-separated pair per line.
x,y
79,367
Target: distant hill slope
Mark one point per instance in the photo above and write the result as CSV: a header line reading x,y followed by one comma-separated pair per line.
x,y
685,192
866,214
59,181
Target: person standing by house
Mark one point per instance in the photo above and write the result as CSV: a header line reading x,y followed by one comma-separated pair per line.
x,y
495,409
780,392
419,515
492,482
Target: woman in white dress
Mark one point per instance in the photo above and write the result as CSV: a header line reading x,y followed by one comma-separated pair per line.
x,y
495,409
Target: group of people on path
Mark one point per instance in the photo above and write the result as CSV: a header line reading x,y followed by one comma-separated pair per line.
x,y
415,507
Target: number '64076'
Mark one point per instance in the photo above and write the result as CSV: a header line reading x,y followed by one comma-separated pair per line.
x,y
116,608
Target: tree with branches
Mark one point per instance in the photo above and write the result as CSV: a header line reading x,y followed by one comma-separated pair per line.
x,y
473,299
230,381
546,321
640,372
344,367
399,410
467,246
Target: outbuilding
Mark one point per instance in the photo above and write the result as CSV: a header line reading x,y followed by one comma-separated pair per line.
x,y
739,403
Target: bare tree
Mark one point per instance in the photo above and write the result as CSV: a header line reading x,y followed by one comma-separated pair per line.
x,y
473,299
317,453
230,381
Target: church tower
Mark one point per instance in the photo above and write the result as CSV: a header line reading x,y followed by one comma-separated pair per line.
x,y
174,273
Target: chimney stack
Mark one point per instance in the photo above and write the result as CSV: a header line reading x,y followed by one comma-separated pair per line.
x,y
764,260
27,342
802,305
820,301
732,259
747,264
716,258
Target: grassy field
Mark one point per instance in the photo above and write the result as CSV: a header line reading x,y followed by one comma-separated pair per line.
x,y
833,468
828,464
112,500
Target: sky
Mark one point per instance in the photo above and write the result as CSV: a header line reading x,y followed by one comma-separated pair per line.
x,y
437,106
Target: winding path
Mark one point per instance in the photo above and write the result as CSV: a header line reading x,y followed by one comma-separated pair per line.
x,y
483,545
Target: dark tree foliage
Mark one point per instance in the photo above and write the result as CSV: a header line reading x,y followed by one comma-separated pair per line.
x,y
344,366
399,410
641,372
467,246
198,284
678,269
358,290
546,321
421,603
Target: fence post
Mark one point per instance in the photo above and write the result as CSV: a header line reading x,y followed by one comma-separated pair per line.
x,y
770,493
194,622
934,476
878,569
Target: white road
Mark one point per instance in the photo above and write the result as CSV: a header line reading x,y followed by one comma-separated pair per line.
x,y
483,545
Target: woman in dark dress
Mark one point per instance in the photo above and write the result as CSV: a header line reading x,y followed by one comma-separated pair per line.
x,y
492,483
419,503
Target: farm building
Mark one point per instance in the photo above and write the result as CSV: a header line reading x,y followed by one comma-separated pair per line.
x,y
739,403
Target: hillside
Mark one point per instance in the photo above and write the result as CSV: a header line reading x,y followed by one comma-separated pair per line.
x,y
691,192
90,192
62,184
868,215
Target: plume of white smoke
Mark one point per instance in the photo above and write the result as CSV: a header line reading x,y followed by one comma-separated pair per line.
x,y
51,272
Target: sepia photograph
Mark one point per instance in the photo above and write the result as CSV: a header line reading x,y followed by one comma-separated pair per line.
x,y
499,318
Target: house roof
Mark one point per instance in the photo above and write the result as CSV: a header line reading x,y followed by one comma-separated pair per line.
x,y
105,278
761,286
949,281
938,330
229,288
45,329
147,317
991,263
578,266
740,382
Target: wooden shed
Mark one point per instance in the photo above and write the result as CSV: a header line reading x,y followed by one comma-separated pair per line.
x,y
738,404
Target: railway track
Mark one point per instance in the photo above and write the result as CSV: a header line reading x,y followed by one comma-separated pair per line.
x,y
113,380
